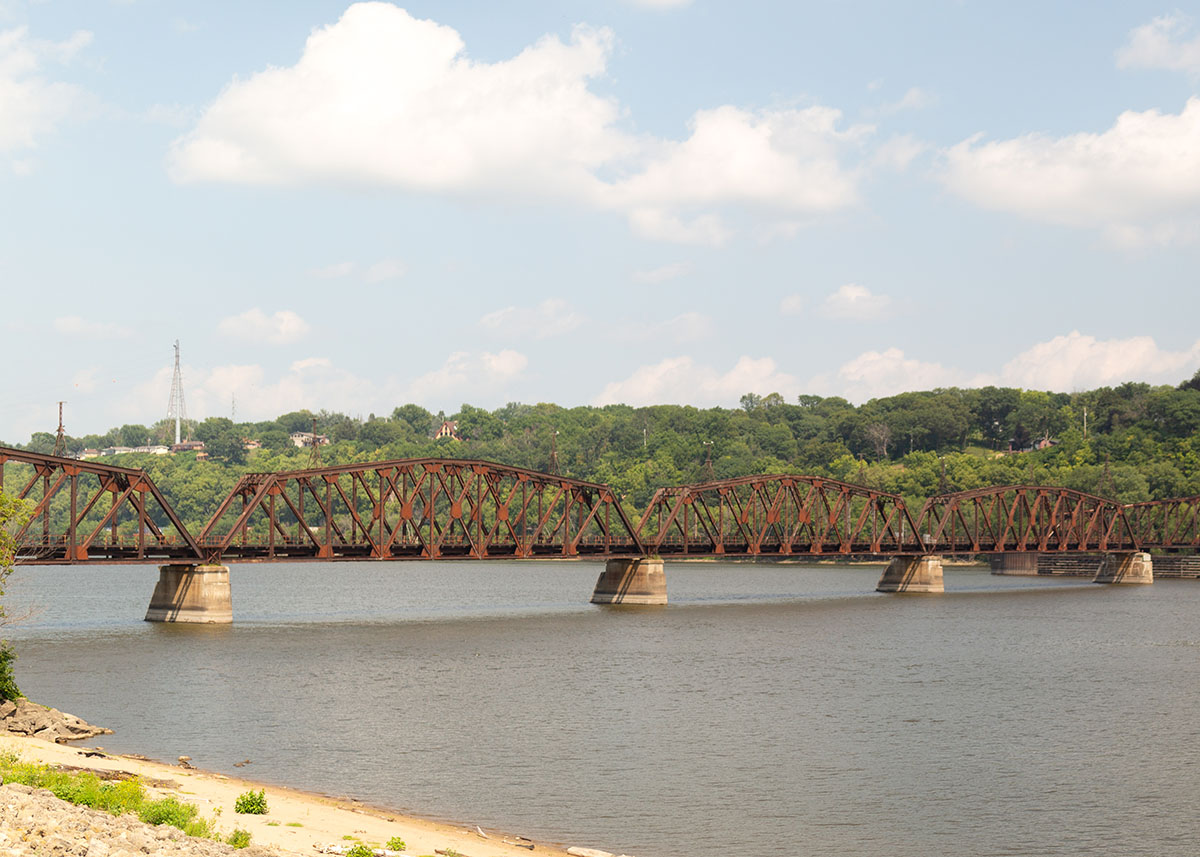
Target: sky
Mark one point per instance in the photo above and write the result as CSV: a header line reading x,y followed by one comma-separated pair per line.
x,y
354,206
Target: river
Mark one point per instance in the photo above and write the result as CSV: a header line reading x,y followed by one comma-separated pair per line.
x,y
770,709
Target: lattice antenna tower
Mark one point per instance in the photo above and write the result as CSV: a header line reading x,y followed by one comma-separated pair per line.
x,y
176,409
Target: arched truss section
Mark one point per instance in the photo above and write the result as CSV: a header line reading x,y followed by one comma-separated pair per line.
x,y
776,516
411,508
1024,518
84,511
1166,523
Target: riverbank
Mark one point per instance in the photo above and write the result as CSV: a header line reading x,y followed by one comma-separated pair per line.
x,y
297,822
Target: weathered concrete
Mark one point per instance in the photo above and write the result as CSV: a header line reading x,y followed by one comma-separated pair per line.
x,y
912,574
631,581
192,593
1014,563
1126,568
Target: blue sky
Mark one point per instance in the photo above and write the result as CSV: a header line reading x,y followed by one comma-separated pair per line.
x,y
353,206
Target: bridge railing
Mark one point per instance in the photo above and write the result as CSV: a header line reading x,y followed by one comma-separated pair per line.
x,y
84,510
777,515
418,508
1171,524
1024,518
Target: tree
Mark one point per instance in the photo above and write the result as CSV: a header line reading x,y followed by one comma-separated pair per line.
x,y
13,514
132,435
222,440
879,436
417,417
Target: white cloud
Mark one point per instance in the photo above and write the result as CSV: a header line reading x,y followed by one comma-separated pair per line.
x,y
74,325
661,274
659,225
381,98
792,305
781,160
1061,364
899,152
254,325
336,271
85,379
466,372
915,99
884,373
686,327
552,317
680,380
1076,361
1139,178
1162,44
30,105
855,302
388,269
315,383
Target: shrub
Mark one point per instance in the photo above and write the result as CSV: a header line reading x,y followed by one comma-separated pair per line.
x,y
8,681
395,844
251,803
360,850
239,838
117,798
169,810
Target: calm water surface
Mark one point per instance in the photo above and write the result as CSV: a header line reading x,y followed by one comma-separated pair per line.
x,y
769,710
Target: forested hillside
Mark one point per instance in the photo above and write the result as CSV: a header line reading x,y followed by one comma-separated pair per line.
x,y
1132,442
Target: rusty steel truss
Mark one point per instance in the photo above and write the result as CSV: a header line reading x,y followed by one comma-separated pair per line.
x,y
1170,524
1015,518
776,516
84,511
417,508
87,512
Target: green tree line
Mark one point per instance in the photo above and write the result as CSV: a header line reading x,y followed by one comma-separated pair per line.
x,y
1132,442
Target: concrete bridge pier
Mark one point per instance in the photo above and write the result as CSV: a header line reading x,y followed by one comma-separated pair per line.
x,y
912,574
1125,568
631,581
192,593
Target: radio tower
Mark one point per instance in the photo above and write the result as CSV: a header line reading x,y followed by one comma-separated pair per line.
x,y
176,410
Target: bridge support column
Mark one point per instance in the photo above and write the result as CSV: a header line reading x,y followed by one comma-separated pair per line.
x,y
1125,568
912,574
191,593
631,581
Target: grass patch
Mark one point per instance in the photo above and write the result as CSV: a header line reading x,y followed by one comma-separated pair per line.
x,y
117,798
239,838
293,824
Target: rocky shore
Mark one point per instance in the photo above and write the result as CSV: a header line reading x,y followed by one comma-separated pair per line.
x,y
23,717
35,822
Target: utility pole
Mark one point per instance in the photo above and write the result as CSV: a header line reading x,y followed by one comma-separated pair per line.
x,y
707,472
314,454
60,442
554,452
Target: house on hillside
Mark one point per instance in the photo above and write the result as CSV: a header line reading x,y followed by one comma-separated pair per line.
x,y
308,438
449,429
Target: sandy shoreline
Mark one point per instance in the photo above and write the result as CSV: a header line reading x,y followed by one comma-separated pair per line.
x,y
298,822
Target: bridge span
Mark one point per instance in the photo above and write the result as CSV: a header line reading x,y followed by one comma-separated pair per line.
x,y
91,512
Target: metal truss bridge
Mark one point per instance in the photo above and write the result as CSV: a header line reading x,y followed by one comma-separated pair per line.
x,y
90,512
